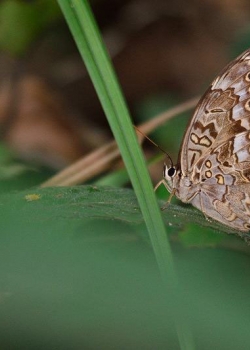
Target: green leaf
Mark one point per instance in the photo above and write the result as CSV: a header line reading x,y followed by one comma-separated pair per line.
x,y
21,22
77,271
70,205
197,236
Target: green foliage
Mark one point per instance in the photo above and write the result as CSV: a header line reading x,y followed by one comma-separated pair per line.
x,y
16,175
91,47
103,202
198,236
168,136
21,22
77,268
77,271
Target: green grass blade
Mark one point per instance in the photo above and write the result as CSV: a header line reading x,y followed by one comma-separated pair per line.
x,y
85,32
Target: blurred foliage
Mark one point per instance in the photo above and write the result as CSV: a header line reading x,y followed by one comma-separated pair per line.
x,y
17,175
77,271
198,236
241,42
169,135
21,22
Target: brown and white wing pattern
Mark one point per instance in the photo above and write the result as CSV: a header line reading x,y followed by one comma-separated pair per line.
x,y
215,153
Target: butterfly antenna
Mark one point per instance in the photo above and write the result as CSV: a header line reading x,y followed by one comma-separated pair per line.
x,y
155,144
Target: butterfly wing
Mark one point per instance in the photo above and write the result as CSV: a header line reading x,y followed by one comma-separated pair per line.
x,y
215,152
225,183
222,104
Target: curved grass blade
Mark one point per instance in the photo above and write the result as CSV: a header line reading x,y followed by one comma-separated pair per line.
x,y
86,34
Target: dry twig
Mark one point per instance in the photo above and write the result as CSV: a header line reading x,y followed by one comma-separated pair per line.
x,y
101,159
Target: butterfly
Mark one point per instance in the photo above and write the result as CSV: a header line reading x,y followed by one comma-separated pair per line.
x,y
213,168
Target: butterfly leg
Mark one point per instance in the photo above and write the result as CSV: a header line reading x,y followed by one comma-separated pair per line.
x,y
159,184
169,200
163,182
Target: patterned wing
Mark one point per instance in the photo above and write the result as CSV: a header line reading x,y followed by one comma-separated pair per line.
x,y
215,153
224,178
222,112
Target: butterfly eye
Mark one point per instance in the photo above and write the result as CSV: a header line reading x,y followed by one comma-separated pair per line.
x,y
171,172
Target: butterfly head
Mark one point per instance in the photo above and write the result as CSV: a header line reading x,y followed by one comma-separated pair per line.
x,y
169,176
177,183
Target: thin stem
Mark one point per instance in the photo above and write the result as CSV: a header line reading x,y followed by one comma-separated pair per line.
x,y
87,37
102,158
